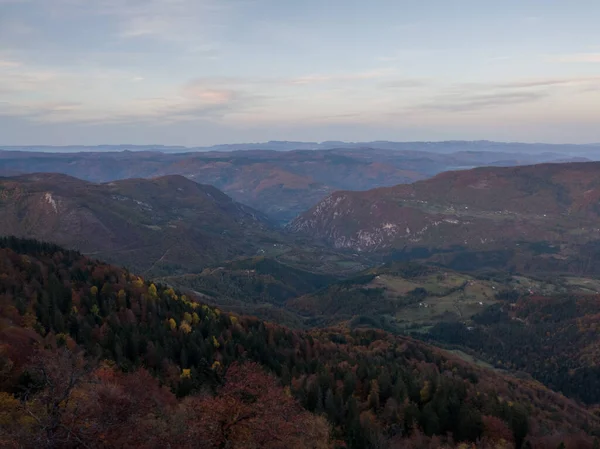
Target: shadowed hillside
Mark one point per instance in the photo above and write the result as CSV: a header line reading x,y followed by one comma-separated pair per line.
x,y
159,225
375,390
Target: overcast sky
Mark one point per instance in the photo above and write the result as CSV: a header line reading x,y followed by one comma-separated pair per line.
x,y
200,72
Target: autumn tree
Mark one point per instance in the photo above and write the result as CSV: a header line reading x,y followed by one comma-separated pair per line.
x,y
250,411
48,403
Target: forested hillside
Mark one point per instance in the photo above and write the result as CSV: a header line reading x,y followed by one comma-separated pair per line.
x,y
157,226
538,218
554,338
94,356
256,286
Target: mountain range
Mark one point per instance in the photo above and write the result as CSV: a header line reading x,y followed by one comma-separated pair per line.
x,y
435,147
451,309
279,184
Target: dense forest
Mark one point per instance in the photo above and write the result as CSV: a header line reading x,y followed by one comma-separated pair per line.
x,y
553,338
94,356
258,286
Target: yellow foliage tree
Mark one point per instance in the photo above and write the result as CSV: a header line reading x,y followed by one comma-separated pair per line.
x,y
215,342
138,282
466,446
186,373
122,297
195,318
29,319
171,294
185,327
425,392
187,317
172,324
11,413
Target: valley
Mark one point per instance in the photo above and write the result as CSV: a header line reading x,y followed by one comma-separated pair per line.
x,y
154,334
240,224
281,184
378,313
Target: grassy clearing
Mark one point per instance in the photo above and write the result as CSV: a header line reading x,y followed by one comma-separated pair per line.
x,y
587,285
395,285
469,358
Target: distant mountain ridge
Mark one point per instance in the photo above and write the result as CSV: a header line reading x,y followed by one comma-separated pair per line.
x,y
281,184
149,224
447,146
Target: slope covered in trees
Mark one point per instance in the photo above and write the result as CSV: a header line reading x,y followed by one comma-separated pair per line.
x,y
529,219
92,355
162,225
553,338
257,286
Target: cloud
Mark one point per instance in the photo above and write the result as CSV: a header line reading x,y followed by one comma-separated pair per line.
x,y
549,82
150,110
9,64
91,95
37,110
191,101
17,79
42,94
144,26
308,80
192,23
209,95
342,77
475,102
405,55
532,83
21,79
577,58
62,107
404,83
498,58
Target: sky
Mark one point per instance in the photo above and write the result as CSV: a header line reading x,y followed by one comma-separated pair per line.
x,y
203,72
